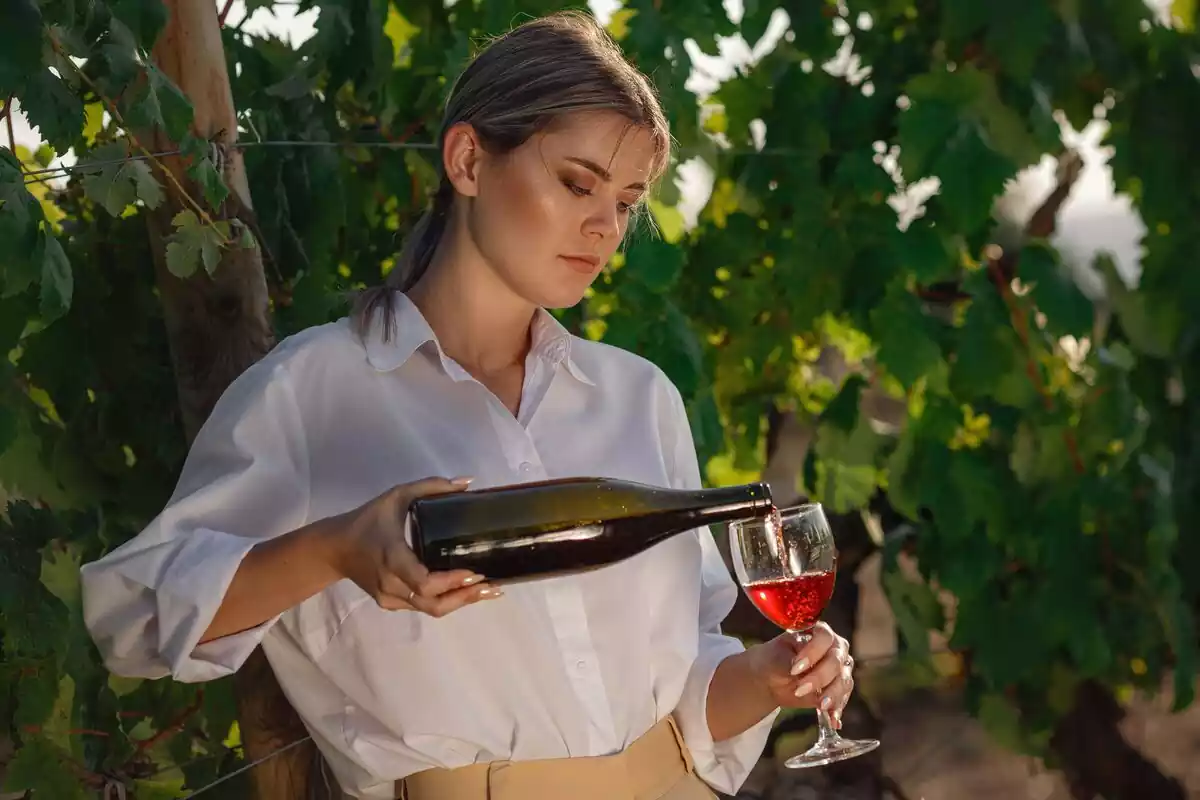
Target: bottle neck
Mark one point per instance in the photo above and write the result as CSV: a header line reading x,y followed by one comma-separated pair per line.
x,y
736,503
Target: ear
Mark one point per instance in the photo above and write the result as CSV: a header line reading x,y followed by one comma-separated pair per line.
x,y
461,157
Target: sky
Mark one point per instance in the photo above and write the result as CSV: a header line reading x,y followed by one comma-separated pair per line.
x,y
1094,218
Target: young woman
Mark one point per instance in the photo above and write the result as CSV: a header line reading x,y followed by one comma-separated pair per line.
x,y
286,527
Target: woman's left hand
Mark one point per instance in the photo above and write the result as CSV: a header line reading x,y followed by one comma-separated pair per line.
x,y
808,671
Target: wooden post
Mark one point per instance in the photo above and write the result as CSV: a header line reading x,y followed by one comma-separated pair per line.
x,y
217,327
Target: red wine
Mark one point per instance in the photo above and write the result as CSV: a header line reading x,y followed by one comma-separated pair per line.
x,y
569,525
794,604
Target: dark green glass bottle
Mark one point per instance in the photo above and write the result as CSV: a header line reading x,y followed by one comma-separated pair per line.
x,y
547,528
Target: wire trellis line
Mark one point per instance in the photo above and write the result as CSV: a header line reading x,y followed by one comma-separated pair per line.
x,y
62,171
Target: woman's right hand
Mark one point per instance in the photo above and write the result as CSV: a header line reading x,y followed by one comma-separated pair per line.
x,y
372,553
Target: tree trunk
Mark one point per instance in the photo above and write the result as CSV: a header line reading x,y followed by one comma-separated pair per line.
x,y
1096,759
217,327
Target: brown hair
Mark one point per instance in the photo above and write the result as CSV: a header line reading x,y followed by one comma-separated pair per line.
x,y
513,89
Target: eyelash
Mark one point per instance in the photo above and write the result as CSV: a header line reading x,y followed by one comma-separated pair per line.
x,y
579,191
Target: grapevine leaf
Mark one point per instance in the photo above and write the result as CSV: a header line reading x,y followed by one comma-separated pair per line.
x,y
1067,309
40,767
158,103
846,473
399,32
973,175
921,251
53,109
159,788
21,44
114,181
906,345
8,428
1183,642
203,171
58,283
842,411
916,608
655,263
205,174
60,573
194,243
145,19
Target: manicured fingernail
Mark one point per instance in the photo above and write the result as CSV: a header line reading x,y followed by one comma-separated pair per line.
x,y
837,718
804,690
490,592
472,580
462,480
800,666
826,703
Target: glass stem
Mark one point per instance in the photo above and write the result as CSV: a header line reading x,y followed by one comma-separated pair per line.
x,y
825,731
825,728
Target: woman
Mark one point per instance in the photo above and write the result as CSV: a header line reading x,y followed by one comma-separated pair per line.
x,y
286,525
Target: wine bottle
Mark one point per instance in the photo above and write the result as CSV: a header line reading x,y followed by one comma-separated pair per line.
x,y
546,528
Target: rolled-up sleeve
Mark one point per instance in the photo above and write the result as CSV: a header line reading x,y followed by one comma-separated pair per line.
x,y
147,603
724,765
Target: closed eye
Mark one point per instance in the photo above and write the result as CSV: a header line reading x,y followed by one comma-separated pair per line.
x,y
578,190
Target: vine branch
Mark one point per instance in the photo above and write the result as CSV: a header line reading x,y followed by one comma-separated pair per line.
x,y
175,725
1041,224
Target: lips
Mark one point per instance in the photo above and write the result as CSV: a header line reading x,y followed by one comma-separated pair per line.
x,y
584,263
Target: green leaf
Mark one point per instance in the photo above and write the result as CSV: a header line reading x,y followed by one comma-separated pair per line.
x,y
114,181
973,175
986,353
42,768
8,428
916,608
160,789
1002,720
60,572
400,32
921,251
1184,646
655,263
194,243
1152,329
1068,311
159,104
52,109
21,44
907,348
846,472
58,282
145,19
122,686
842,411
756,17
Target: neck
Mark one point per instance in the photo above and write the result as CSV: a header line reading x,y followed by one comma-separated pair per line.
x,y
478,320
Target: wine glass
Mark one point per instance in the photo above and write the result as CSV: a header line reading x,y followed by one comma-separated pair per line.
x,y
786,564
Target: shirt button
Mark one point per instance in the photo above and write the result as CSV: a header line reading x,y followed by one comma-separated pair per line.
x,y
581,664
526,467
557,351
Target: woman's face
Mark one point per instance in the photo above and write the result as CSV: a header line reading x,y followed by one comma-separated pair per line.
x,y
547,216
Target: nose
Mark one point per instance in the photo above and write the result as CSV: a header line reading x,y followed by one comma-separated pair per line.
x,y
603,221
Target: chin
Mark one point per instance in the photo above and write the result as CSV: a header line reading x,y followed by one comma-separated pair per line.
x,y
562,297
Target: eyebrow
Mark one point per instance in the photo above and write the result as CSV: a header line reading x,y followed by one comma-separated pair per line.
x,y
592,166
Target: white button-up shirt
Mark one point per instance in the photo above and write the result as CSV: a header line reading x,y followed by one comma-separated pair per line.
x,y
579,665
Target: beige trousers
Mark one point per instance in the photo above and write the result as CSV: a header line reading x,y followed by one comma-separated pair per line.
x,y
657,766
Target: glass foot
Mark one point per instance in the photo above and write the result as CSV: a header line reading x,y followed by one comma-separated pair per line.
x,y
830,750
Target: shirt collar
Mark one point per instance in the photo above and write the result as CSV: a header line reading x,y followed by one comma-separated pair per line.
x,y
410,331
